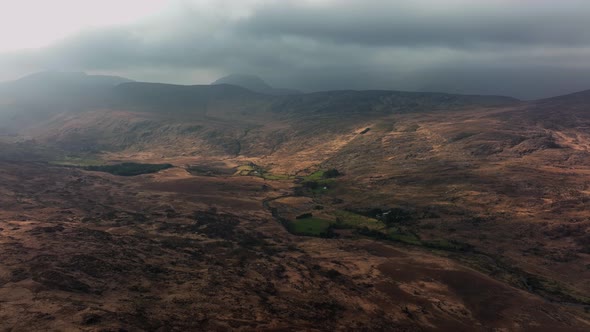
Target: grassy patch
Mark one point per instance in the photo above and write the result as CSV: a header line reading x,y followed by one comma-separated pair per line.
x,y
255,170
310,226
315,176
404,237
306,224
410,238
353,220
322,177
129,169
269,176
318,182
246,170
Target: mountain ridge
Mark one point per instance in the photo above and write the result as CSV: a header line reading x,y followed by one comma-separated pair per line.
x,y
254,83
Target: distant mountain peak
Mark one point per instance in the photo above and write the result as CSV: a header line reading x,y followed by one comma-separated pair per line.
x,y
253,83
250,82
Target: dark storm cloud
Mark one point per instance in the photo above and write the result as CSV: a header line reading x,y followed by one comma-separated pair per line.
x,y
429,23
521,48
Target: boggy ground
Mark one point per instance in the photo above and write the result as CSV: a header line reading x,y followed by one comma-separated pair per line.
x,y
174,252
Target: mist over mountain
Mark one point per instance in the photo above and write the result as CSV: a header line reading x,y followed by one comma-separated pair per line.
x,y
500,47
55,86
33,98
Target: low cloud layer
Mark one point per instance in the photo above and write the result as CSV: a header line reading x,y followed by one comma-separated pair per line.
x,y
526,48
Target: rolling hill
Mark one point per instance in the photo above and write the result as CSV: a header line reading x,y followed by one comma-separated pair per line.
x,y
336,209
254,83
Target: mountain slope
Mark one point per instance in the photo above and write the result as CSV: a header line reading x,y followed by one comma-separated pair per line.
x,y
239,120
254,83
37,97
51,85
433,154
471,183
196,99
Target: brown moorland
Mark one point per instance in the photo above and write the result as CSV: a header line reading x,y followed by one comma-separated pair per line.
x,y
446,213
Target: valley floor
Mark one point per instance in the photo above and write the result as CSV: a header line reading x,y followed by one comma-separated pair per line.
x,y
174,251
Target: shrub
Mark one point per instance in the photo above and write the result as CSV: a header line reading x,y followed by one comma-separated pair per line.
x,y
311,184
331,173
333,274
396,215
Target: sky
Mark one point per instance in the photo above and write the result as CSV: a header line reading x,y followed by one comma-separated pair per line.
x,y
523,48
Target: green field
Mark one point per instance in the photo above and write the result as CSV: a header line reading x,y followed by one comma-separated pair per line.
x,y
343,219
321,178
269,176
404,237
315,176
255,170
309,226
353,220
246,170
